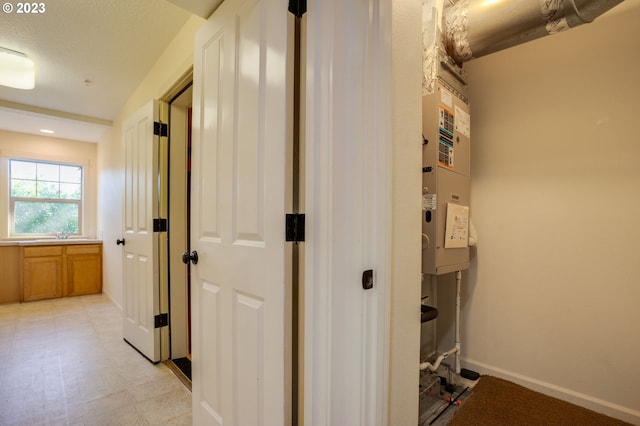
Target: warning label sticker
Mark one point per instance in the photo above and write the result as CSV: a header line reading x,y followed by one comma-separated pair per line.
x,y
429,202
445,154
445,147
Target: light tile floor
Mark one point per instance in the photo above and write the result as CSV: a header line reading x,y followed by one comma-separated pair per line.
x,y
63,362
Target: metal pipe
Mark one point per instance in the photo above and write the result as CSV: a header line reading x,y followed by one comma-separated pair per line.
x,y
475,28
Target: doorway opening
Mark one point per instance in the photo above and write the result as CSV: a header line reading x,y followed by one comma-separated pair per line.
x,y
179,206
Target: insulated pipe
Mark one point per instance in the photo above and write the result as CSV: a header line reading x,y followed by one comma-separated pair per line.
x,y
475,28
458,345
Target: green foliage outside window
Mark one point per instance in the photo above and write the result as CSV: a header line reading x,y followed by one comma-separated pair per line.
x,y
46,197
45,218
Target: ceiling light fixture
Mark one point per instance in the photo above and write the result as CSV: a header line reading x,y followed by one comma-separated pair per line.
x,y
16,70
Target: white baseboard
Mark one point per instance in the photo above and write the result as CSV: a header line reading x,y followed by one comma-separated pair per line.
x,y
595,404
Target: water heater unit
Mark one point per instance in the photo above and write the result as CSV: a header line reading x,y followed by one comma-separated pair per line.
x,y
445,180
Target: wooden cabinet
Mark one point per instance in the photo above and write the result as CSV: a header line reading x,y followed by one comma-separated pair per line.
x,y
51,271
41,272
83,270
10,274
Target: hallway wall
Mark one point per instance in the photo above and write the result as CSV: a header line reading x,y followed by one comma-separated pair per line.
x,y
551,298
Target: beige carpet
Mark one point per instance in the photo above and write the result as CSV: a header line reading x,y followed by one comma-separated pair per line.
x,y
499,402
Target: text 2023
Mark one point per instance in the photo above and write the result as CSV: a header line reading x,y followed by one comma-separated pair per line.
x,y
31,8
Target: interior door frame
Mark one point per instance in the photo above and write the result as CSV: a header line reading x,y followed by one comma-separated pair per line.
x,y
168,251
178,222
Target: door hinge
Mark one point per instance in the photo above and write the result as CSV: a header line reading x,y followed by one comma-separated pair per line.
x,y
298,7
160,129
161,320
294,227
159,225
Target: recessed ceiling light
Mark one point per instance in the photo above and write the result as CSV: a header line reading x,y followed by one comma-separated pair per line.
x,y
47,131
16,70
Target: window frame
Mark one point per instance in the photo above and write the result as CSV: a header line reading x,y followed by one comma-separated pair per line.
x,y
12,199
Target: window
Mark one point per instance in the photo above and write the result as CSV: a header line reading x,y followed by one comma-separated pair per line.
x,y
46,198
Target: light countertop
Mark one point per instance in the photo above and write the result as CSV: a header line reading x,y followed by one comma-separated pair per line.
x,y
50,242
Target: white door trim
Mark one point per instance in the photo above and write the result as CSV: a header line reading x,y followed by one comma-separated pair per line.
x,y
348,209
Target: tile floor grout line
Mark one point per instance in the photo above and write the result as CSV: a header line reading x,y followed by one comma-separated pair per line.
x,y
64,390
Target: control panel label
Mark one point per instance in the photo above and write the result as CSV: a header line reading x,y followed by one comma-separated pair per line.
x,y
462,122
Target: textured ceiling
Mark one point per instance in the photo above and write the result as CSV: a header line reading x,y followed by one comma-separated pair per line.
x,y
112,43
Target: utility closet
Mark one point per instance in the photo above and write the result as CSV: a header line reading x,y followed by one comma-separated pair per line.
x,y
455,32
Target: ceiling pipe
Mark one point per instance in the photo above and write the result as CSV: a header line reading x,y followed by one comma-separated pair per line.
x,y
475,28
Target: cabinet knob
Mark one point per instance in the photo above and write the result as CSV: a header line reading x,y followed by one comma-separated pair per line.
x,y
120,241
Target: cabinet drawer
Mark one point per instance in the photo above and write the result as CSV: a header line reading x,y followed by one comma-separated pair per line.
x,y
43,251
84,249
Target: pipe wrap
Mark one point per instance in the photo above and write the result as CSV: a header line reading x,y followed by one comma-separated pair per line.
x,y
475,28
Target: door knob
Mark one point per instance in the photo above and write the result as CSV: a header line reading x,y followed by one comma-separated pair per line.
x,y
193,257
120,241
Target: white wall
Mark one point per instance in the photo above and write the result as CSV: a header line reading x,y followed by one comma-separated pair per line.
x,y
46,148
551,300
172,64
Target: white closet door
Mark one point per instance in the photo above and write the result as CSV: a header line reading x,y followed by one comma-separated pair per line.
x,y
240,177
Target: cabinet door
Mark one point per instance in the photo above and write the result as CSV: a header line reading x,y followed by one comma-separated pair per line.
x,y
42,278
84,270
10,280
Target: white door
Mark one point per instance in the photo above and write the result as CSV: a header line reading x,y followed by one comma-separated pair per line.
x,y
240,285
140,282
